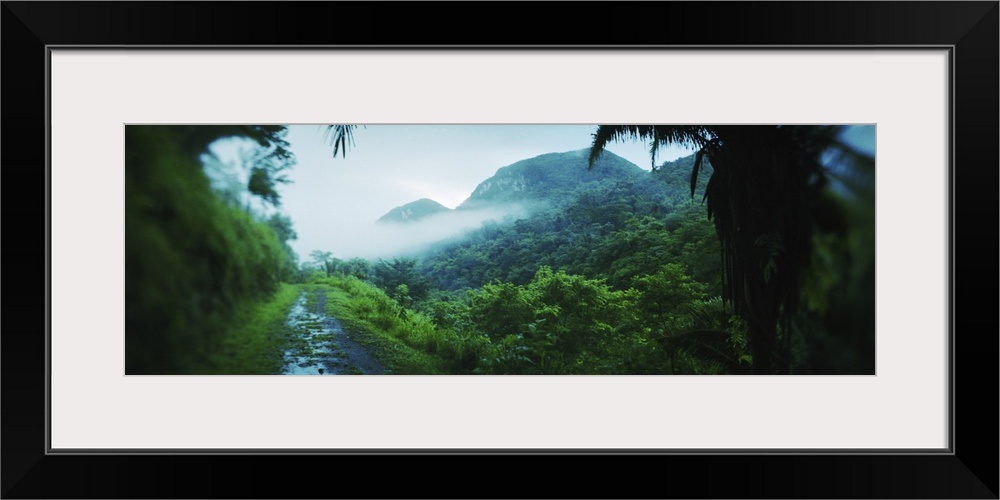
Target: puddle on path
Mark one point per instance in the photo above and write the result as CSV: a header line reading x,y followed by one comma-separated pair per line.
x,y
320,345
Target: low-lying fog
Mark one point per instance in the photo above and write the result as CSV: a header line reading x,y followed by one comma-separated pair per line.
x,y
371,240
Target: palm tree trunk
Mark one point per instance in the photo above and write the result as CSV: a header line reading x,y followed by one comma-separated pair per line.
x,y
762,349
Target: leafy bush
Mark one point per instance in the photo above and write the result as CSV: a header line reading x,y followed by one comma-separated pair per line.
x,y
558,323
190,259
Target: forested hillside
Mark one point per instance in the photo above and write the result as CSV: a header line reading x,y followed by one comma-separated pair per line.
x,y
614,222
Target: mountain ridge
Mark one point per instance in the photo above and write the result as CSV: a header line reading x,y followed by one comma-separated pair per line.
x,y
549,177
413,211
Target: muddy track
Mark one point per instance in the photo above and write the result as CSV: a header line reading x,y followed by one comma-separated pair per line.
x,y
320,345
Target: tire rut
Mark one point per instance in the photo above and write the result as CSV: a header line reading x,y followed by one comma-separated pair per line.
x,y
321,346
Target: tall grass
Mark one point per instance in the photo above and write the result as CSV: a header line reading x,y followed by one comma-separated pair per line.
x,y
255,343
406,341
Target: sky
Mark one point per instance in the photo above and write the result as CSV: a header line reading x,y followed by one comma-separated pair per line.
x,y
334,202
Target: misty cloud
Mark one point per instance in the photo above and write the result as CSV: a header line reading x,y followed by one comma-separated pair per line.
x,y
371,240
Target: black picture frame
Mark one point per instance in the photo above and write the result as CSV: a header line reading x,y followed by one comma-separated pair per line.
x,y
969,28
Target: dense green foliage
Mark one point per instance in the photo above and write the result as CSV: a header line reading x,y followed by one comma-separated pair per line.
x,y
400,277
192,261
558,323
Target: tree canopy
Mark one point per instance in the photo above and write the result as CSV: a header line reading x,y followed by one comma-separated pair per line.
x,y
765,198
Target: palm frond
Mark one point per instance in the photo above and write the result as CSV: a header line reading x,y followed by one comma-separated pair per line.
x,y
658,135
340,136
607,134
694,170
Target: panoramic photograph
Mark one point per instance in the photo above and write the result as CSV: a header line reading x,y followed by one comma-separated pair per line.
x,y
556,249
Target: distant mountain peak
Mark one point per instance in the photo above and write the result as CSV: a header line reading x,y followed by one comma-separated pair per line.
x,y
413,211
548,177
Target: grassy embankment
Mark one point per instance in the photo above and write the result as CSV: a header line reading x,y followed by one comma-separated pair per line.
x,y
404,341
256,342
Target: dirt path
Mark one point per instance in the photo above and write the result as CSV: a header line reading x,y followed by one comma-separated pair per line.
x,y
321,346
